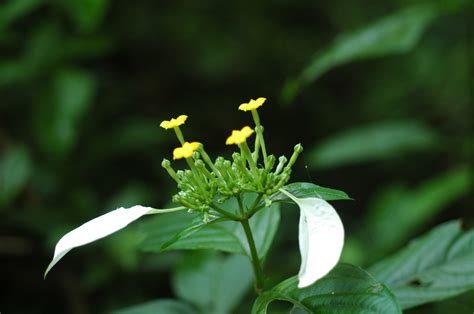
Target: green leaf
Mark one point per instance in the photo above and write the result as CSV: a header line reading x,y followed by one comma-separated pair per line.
x,y
205,280
346,289
58,116
373,142
195,226
306,189
87,14
15,9
393,34
178,232
411,208
130,136
162,306
436,266
185,231
42,52
15,170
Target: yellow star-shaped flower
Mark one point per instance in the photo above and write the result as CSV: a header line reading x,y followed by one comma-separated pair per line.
x,y
239,137
252,104
186,150
174,122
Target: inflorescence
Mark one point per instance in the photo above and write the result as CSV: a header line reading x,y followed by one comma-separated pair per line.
x,y
207,182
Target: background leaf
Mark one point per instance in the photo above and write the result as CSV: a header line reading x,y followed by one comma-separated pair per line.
x,y
59,115
87,14
411,208
346,289
436,266
393,34
14,9
378,141
138,136
162,306
42,52
15,170
213,282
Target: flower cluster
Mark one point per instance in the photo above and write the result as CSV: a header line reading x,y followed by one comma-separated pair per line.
x,y
207,182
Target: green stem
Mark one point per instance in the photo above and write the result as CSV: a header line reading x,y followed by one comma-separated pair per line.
x,y
197,175
245,153
257,267
225,213
167,165
254,207
166,210
241,205
179,134
258,128
208,160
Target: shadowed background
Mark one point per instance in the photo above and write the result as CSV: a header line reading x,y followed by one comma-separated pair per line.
x,y
379,95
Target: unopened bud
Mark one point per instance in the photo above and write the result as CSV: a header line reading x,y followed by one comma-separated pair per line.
x,y
270,162
167,165
298,148
281,163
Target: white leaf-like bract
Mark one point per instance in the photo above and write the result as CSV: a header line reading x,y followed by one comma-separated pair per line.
x,y
101,227
321,238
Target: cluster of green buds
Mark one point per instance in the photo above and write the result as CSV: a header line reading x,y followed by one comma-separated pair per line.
x,y
208,182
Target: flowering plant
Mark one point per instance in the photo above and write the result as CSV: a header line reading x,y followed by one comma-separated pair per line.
x,y
255,181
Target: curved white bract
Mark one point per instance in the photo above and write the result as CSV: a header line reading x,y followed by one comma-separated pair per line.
x,y
321,238
100,227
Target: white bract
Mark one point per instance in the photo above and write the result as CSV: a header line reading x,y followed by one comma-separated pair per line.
x,y
321,238
100,227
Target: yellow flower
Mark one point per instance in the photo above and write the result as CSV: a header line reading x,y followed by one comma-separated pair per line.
x,y
186,150
252,104
239,137
174,122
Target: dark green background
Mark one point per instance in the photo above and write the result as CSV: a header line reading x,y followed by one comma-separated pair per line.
x,y
386,117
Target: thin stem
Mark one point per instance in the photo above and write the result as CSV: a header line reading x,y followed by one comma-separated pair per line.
x,y
167,165
208,160
241,205
256,150
225,213
254,207
197,174
258,128
179,134
257,267
245,152
166,210
291,196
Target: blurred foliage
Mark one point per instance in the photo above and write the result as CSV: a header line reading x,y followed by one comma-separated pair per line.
x,y
379,93
431,268
383,140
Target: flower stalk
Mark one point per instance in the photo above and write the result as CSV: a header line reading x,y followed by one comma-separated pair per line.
x,y
257,267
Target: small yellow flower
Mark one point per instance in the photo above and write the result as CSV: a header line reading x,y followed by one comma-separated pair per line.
x,y
186,150
174,122
252,104
239,137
